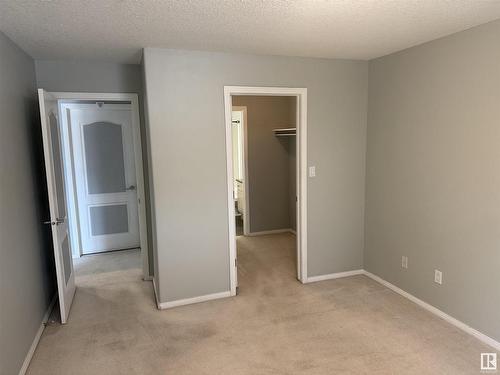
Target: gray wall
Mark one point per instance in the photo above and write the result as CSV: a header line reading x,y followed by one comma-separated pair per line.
x,y
186,120
433,176
26,261
83,76
87,76
268,160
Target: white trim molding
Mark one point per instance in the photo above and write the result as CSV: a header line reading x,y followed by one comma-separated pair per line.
x,y
337,275
457,323
61,95
189,301
301,144
38,336
274,231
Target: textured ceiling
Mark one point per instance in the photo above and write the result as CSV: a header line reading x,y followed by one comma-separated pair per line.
x,y
116,30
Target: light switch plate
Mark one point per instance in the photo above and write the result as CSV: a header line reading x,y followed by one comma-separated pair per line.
x,y
312,171
438,277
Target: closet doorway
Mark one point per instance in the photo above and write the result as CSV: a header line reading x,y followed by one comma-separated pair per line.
x,y
266,173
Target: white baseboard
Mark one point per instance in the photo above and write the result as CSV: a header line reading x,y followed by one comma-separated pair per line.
x,y
189,301
331,276
38,335
157,297
266,232
457,323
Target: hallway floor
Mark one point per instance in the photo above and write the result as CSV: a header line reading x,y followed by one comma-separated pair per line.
x,y
274,326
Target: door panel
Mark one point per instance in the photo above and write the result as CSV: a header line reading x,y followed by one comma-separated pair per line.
x,y
58,164
105,177
67,259
54,165
109,219
105,164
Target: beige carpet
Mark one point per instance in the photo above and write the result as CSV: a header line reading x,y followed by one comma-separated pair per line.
x,y
275,326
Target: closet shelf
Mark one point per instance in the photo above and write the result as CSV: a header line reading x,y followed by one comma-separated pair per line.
x,y
285,132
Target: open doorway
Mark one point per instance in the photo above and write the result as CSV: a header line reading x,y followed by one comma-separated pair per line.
x,y
266,153
93,158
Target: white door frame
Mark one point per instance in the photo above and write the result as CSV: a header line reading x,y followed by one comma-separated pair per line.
x,y
246,214
301,144
133,99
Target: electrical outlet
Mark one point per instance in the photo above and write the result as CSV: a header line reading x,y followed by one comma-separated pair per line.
x,y
438,277
312,171
404,262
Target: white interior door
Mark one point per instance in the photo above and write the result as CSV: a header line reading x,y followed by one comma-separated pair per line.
x,y
57,201
105,177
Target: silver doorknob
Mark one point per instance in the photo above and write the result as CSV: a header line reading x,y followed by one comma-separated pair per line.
x,y
131,187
